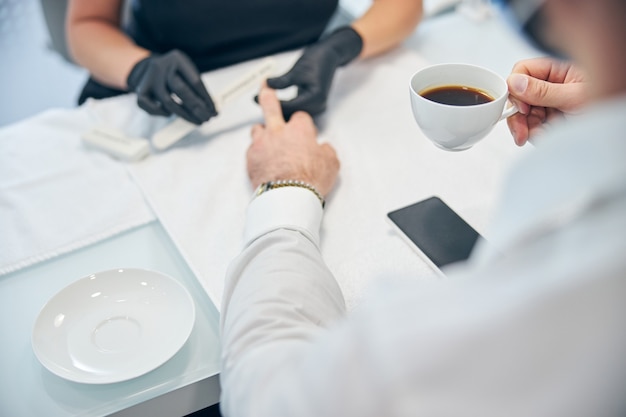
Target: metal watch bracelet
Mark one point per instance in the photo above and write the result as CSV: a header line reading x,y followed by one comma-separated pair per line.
x,y
270,185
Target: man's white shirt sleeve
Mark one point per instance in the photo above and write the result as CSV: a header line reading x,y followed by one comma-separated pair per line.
x,y
292,208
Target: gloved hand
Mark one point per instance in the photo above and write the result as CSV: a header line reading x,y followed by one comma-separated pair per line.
x,y
313,72
170,84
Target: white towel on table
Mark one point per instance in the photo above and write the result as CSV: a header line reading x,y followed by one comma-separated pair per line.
x,y
55,194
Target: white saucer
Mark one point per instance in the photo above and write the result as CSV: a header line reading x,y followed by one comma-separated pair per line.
x,y
113,326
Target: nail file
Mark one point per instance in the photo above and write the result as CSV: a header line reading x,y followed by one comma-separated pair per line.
x,y
180,127
116,144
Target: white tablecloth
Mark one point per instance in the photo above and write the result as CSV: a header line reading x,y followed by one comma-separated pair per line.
x,y
199,188
55,195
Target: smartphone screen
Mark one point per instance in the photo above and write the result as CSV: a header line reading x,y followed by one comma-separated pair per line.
x,y
436,230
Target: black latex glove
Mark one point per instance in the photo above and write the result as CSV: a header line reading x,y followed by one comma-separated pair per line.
x,y
313,73
170,84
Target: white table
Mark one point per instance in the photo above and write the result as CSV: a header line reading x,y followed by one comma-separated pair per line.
x,y
188,381
28,389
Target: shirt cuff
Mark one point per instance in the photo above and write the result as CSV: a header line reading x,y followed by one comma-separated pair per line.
x,y
292,208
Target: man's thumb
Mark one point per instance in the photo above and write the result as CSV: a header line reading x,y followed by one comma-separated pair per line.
x,y
538,92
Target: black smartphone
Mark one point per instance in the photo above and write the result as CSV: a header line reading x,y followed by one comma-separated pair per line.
x,y
433,228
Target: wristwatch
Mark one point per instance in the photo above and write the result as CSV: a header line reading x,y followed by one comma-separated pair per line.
x,y
270,185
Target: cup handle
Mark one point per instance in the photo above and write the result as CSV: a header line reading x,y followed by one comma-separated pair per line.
x,y
508,112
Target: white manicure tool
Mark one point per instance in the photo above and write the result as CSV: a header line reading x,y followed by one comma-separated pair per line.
x,y
180,127
116,143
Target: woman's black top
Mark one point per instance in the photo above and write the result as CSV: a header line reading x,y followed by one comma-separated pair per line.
x,y
218,33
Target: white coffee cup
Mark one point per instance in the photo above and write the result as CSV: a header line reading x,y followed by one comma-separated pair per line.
x,y
454,127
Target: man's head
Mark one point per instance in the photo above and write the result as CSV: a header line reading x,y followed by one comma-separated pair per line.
x,y
555,25
527,16
590,32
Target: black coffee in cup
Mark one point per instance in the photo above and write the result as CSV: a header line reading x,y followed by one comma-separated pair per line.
x,y
456,95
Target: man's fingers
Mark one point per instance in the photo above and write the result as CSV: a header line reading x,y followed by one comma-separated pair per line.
x,y
523,108
536,92
256,132
540,68
518,125
302,118
328,148
272,111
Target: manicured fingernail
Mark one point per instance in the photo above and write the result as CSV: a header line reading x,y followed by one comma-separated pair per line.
x,y
518,83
